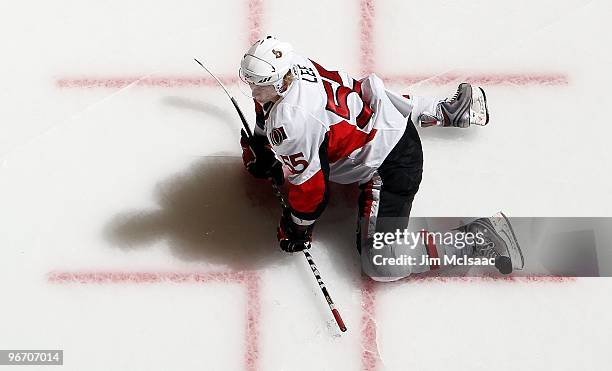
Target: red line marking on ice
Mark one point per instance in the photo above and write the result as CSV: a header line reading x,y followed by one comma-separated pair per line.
x,y
369,353
517,279
142,277
366,24
481,79
250,280
196,82
150,82
254,20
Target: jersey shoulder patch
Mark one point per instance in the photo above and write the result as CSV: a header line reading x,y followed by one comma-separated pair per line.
x,y
277,136
287,122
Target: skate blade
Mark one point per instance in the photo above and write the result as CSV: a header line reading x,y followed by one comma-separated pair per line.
x,y
479,111
504,228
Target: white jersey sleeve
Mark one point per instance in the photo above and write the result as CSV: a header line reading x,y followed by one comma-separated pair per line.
x,y
299,141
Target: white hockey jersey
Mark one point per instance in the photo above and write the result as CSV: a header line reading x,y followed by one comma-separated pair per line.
x,y
330,127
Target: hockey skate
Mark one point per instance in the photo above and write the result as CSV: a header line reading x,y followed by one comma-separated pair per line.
x,y
499,242
467,107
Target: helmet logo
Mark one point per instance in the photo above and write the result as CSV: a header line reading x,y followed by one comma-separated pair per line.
x,y
277,53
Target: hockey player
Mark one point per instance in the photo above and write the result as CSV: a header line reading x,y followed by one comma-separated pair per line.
x,y
325,126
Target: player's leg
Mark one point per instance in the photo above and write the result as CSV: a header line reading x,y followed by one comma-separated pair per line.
x,y
382,213
385,203
467,107
490,238
499,242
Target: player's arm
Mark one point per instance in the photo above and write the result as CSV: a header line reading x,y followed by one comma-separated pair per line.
x,y
302,146
257,154
260,120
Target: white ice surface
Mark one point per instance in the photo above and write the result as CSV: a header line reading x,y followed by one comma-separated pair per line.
x,y
107,180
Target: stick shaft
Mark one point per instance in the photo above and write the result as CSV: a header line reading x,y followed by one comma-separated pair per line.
x,y
245,124
314,269
328,298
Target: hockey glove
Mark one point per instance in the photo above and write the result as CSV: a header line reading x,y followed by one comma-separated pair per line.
x,y
259,160
293,237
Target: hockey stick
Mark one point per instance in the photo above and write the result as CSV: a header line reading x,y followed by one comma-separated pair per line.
x,y
284,205
244,121
314,269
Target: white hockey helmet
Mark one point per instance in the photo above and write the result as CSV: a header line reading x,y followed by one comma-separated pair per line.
x,y
266,63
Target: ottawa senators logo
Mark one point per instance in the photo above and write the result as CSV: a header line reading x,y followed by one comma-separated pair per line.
x,y
277,136
277,53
